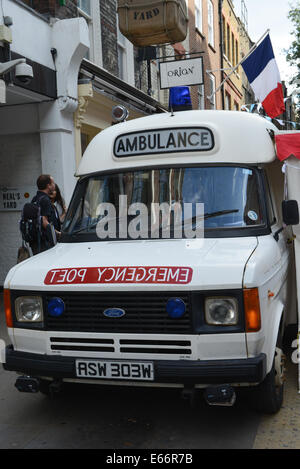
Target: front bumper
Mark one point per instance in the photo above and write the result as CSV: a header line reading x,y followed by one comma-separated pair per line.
x,y
249,370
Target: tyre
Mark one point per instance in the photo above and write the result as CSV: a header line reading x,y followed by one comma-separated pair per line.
x,y
267,397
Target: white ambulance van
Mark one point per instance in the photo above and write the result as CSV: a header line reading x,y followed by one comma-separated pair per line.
x,y
118,302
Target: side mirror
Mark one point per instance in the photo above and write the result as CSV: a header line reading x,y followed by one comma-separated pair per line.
x,y
290,212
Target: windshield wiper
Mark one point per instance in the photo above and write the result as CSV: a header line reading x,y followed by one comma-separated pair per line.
x,y
92,225
210,215
193,219
220,212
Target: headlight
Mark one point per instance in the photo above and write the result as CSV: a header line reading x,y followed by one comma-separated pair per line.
x,y
29,309
221,311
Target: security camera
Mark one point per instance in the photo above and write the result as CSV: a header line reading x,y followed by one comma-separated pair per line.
x,y
24,73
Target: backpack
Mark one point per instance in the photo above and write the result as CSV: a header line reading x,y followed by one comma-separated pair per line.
x,y
31,222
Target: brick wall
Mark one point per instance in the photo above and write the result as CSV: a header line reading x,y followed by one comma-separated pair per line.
x,y
211,55
108,10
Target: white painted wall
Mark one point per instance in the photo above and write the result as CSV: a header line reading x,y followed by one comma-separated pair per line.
x,y
20,165
31,34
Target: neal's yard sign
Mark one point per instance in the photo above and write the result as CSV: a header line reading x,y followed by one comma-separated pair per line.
x,y
181,72
12,198
172,140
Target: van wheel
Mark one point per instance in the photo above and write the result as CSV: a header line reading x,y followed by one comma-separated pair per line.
x,y
267,397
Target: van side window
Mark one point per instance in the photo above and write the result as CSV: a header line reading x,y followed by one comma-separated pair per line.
x,y
270,206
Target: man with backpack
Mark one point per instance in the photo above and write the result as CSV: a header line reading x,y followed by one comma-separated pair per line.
x,y
39,218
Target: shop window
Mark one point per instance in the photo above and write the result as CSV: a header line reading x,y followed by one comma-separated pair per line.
x,y
88,132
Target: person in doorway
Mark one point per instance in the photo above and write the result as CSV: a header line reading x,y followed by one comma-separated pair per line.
x,y
46,185
58,203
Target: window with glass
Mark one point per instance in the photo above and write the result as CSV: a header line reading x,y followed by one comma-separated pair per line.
x,y
211,33
121,40
230,197
228,42
198,15
85,6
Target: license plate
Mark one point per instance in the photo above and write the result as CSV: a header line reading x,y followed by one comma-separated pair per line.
x,y
114,370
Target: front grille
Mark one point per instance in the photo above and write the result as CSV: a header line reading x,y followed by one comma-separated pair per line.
x,y
145,313
123,346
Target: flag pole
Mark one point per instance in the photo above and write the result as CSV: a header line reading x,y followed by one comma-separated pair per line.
x,y
241,61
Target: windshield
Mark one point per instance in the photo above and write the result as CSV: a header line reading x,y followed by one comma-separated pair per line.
x,y
216,197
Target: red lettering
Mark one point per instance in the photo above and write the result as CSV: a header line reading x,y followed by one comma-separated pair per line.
x,y
129,274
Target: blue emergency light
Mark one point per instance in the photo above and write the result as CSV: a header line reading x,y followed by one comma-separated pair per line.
x,y
175,308
180,98
56,307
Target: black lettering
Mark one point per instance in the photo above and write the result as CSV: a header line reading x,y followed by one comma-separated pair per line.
x,y
156,11
171,141
125,370
190,139
142,142
131,146
158,143
82,369
121,146
115,369
136,371
102,369
92,369
142,16
146,371
148,15
204,139
152,141
182,139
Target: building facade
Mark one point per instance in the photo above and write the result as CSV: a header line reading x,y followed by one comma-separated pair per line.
x,y
204,39
233,87
82,67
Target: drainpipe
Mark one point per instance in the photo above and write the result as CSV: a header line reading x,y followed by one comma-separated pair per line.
x,y
221,49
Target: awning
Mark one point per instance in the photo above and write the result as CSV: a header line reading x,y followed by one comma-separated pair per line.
x,y
109,84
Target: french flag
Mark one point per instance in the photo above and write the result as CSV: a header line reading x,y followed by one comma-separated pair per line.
x,y
263,75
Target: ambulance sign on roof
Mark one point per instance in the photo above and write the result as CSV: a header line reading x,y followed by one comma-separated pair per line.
x,y
172,140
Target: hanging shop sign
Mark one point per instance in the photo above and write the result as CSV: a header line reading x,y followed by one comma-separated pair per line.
x,y
13,198
186,72
152,22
